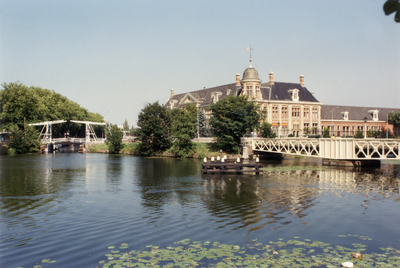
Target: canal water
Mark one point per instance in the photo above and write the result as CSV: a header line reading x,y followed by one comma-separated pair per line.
x,y
70,207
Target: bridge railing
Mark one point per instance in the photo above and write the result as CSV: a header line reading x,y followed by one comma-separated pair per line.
x,y
70,140
341,148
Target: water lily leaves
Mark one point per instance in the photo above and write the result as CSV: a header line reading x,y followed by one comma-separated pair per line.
x,y
123,246
184,241
48,261
293,253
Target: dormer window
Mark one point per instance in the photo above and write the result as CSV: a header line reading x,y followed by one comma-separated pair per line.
x,y
294,93
374,114
228,91
172,103
345,115
215,95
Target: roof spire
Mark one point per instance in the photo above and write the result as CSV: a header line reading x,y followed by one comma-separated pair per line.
x,y
250,49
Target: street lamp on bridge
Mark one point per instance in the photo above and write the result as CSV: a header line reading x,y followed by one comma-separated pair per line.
x,y
279,130
365,127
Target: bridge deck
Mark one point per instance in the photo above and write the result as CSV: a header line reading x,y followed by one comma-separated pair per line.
x,y
340,148
70,140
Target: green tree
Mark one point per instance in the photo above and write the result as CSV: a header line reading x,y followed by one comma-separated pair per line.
x,y
394,119
17,140
203,126
183,130
114,139
326,133
153,129
267,131
32,139
231,119
37,104
125,126
22,142
132,131
359,134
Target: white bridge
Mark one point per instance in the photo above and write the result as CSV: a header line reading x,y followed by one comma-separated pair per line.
x,y
46,135
335,149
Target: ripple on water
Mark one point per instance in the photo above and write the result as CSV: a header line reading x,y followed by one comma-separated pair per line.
x,y
73,213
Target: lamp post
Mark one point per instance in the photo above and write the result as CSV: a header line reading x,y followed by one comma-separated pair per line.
x,y
365,127
387,125
279,130
333,127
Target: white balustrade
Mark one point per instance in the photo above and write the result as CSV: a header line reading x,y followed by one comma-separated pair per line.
x,y
345,149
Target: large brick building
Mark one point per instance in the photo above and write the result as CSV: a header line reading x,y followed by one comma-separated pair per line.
x,y
289,107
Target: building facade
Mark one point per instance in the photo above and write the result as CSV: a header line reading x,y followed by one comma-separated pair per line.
x,y
289,107
343,121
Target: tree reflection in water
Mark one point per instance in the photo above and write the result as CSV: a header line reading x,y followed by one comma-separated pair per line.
x,y
258,200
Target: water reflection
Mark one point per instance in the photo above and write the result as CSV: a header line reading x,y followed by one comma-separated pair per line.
x,y
24,186
165,180
280,197
106,200
114,170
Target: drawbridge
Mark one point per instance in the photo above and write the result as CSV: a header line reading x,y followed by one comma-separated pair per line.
x,y
46,134
344,149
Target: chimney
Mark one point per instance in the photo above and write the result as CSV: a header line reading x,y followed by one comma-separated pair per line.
x,y
271,78
172,92
302,80
237,79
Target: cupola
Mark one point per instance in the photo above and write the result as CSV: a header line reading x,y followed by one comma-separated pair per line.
x,y
250,75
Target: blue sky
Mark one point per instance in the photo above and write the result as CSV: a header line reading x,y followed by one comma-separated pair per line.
x,y
119,55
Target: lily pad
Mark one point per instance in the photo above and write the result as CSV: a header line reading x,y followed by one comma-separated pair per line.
x,y
293,253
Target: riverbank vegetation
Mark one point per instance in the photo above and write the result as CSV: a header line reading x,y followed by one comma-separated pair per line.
x,y
21,105
114,139
233,117
161,130
200,150
21,142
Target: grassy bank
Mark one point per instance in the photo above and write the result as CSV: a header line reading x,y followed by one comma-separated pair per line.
x,y
129,148
201,150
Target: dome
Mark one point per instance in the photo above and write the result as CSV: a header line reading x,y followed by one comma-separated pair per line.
x,y
250,75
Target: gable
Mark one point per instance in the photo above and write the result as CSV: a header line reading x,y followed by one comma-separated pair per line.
x,y
188,98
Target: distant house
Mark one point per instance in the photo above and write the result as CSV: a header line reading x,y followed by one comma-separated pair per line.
x,y
289,107
344,121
